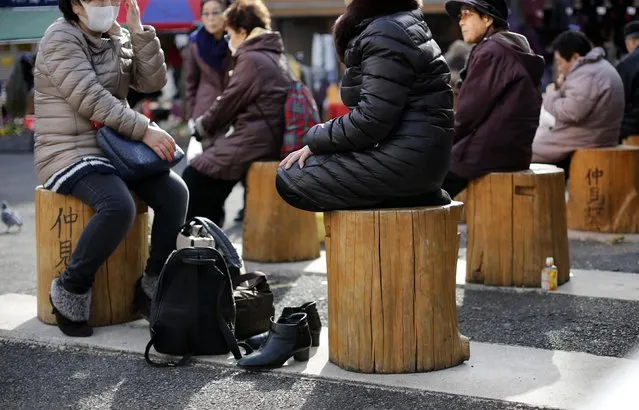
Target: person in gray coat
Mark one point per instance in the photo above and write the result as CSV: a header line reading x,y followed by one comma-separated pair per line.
x,y
587,102
393,148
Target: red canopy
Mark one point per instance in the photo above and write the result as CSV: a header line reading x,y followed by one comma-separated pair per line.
x,y
167,14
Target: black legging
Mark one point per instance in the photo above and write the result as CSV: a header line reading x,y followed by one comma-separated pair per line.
x,y
207,195
115,212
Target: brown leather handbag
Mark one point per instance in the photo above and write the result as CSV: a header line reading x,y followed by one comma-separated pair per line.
x,y
253,304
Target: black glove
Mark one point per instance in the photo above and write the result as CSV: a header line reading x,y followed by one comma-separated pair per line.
x,y
197,136
193,130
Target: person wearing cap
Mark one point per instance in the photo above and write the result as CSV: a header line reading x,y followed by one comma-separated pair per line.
x,y
628,69
498,107
586,100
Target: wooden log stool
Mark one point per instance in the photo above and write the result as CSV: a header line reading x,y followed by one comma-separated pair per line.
x,y
515,221
321,230
391,289
274,231
604,190
60,220
631,140
462,197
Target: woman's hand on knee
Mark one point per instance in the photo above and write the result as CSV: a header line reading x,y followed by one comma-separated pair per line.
x,y
160,142
300,156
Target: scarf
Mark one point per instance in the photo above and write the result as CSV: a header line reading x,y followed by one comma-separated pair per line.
x,y
212,51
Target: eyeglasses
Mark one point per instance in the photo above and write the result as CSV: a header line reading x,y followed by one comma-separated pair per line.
x,y
213,14
104,2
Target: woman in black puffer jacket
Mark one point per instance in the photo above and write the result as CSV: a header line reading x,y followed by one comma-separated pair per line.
x,y
393,148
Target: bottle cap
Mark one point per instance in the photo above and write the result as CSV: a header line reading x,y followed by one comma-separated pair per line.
x,y
550,260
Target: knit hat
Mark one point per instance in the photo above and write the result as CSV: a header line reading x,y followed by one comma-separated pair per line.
x,y
497,9
631,29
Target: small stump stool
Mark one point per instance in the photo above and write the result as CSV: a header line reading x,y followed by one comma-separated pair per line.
x,y
391,289
631,140
515,221
321,230
274,231
462,197
59,222
604,190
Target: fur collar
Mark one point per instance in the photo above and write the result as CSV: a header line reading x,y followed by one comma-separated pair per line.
x,y
349,24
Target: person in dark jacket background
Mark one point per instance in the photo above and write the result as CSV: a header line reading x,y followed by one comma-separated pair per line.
x,y
393,148
499,102
246,122
628,69
208,60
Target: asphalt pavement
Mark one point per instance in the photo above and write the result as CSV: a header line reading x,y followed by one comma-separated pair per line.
x,y
42,377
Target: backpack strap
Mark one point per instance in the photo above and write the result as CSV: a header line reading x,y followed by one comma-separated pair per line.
x,y
182,361
222,242
229,337
291,77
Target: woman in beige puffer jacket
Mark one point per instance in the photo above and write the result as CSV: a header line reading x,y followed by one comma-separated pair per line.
x,y
85,65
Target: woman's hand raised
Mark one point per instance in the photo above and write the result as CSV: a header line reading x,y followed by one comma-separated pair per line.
x,y
133,19
160,142
300,156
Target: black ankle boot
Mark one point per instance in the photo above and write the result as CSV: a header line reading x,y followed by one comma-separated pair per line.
x,y
314,324
289,336
71,310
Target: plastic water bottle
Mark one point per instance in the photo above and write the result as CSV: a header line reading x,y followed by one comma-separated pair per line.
x,y
549,275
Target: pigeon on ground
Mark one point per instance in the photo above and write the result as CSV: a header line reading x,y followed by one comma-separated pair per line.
x,y
10,217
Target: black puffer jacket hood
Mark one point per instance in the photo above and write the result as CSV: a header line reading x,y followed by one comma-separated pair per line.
x,y
396,140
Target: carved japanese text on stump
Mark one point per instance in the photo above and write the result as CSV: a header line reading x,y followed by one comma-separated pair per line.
x,y
59,222
604,190
274,231
391,289
515,220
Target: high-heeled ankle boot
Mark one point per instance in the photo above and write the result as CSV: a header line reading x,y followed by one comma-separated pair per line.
x,y
71,310
289,336
314,324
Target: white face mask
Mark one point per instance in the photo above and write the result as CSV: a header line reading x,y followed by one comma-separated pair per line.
x,y
99,19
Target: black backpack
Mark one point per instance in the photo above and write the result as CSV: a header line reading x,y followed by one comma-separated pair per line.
x,y
193,312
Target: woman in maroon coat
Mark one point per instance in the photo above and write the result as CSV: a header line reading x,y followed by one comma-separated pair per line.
x,y
499,102
246,122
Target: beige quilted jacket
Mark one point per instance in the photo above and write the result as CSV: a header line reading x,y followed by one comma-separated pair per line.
x,y
79,79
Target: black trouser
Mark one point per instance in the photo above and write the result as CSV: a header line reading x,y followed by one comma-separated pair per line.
x,y
565,165
115,212
454,184
207,195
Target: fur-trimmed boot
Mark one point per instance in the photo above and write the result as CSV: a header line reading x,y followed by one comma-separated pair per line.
x,y
71,310
145,288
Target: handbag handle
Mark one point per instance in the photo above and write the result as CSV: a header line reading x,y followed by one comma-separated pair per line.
x,y
259,278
